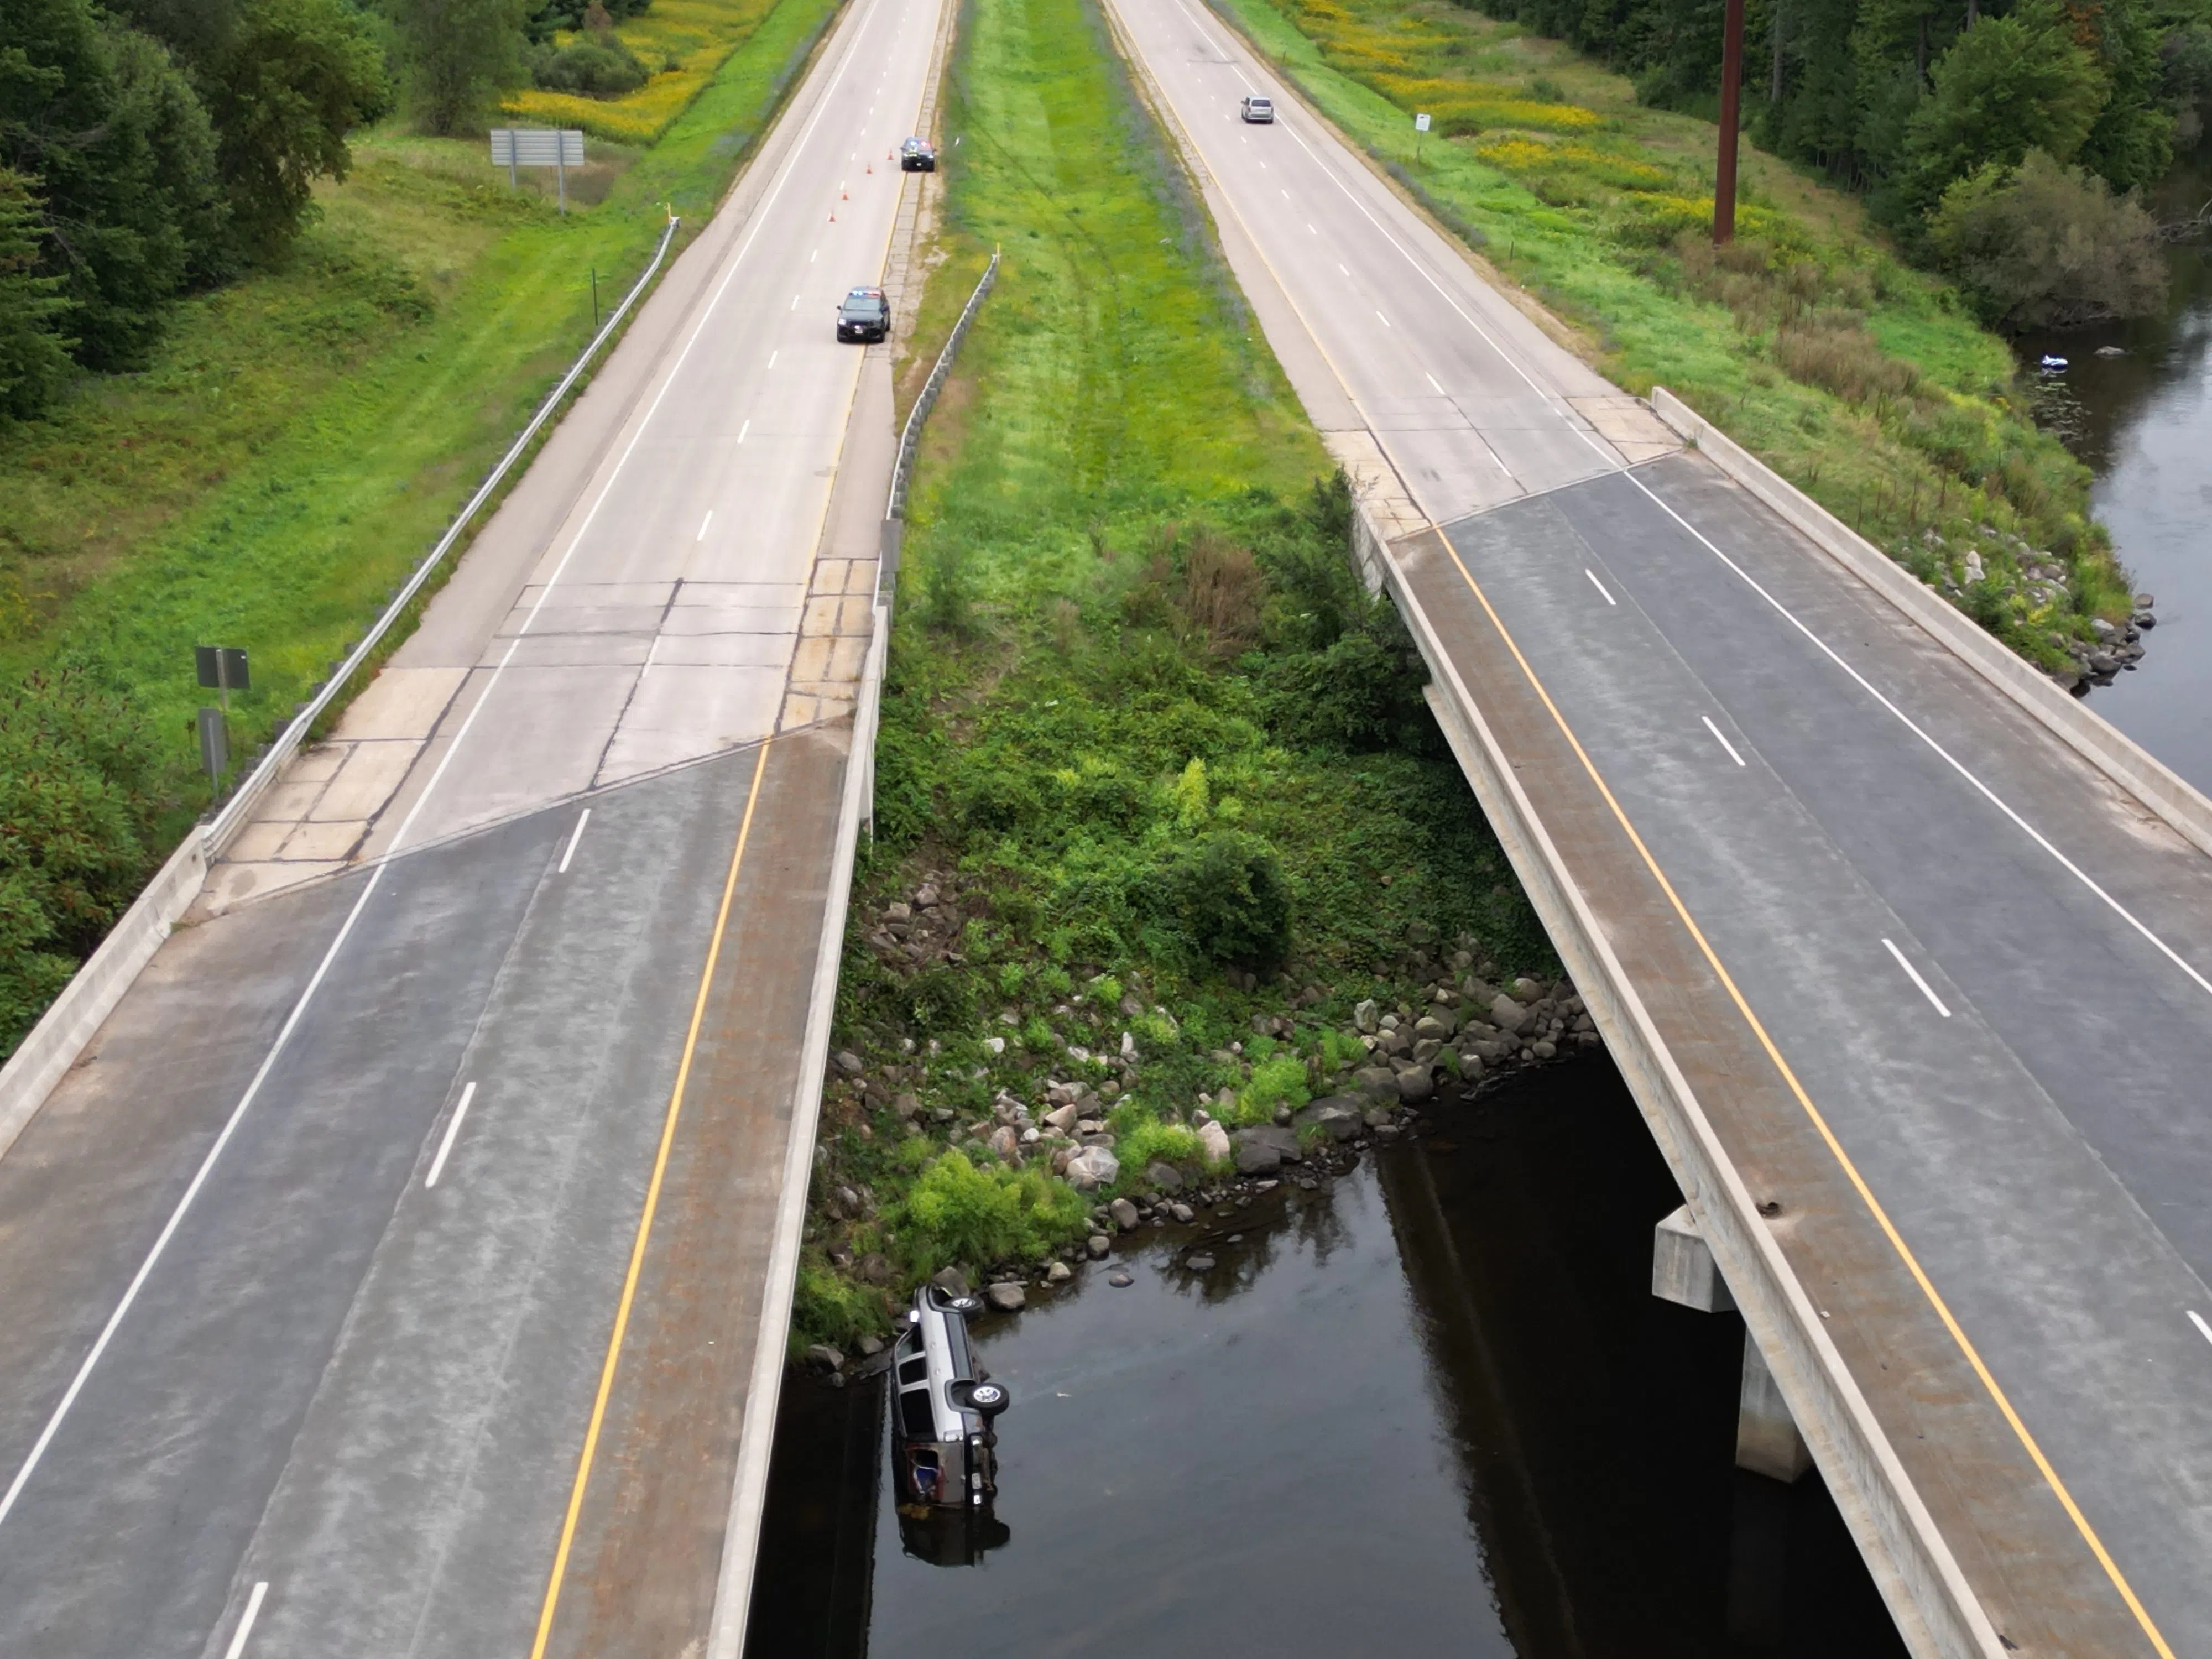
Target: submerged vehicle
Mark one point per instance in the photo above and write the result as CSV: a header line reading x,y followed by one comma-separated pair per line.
x,y
942,1408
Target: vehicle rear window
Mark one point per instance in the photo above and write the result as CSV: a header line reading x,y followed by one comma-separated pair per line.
x,y
861,305
915,1415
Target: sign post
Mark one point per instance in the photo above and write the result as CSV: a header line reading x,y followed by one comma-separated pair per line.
x,y
558,148
222,670
1420,126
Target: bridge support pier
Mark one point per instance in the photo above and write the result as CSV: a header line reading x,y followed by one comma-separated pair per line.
x,y
1683,1271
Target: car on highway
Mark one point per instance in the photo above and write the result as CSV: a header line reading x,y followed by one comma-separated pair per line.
x,y
1259,111
917,155
942,1408
865,313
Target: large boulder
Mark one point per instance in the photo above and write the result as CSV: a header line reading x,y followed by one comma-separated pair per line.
x,y
1213,1141
1439,1023
1415,1085
1507,1015
1163,1176
1266,1148
1092,1168
1006,1295
1364,1014
950,1280
1376,1082
1340,1114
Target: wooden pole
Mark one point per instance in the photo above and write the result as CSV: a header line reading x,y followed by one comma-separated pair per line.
x,y
1731,83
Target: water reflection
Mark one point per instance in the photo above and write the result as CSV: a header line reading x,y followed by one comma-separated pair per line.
x,y
1433,1411
2141,417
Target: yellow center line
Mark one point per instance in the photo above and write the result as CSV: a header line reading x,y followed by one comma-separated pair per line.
x,y
645,1220
1820,1123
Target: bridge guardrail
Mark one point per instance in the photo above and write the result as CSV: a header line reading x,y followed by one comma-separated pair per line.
x,y
1935,1609
2164,792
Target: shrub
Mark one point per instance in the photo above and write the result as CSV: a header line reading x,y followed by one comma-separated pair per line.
x,y
1842,357
828,1308
598,66
957,1212
76,814
1360,694
1274,1083
2045,244
1228,895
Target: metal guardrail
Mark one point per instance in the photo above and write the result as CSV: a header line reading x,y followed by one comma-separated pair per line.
x,y
910,439
217,832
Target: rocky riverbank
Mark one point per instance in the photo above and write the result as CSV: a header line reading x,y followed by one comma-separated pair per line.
x,y
1094,1108
1993,576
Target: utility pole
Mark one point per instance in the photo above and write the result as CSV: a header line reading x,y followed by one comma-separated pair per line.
x,y
1731,82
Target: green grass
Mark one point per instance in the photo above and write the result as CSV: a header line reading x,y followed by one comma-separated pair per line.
x,y
1127,628
1865,383
303,437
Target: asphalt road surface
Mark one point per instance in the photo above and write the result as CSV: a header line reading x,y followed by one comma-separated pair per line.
x,y
312,1274
1987,968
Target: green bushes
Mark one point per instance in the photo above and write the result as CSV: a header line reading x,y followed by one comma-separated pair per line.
x,y
1228,895
76,774
2045,244
959,1211
597,66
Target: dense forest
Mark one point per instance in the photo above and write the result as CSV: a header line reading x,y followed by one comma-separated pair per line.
x,y
150,149
1984,133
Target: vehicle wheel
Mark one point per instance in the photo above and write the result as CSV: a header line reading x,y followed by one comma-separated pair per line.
x,y
988,1398
964,1304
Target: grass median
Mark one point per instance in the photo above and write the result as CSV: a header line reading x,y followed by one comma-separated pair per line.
x,y
1865,383
1158,800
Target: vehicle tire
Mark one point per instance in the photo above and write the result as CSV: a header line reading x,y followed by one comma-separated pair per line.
x,y
988,1398
964,1305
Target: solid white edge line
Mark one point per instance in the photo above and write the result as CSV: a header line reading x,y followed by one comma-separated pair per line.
x,y
1921,733
1913,974
1994,799
322,969
445,1145
2197,1320
1433,381
246,1622
569,851
1721,738
1600,585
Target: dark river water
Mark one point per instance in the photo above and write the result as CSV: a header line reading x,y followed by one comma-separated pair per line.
x,y
2141,416
1432,1410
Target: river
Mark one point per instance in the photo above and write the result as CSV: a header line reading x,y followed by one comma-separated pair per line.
x,y
1431,1409
2141,416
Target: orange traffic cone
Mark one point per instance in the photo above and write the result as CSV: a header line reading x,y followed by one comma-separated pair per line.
x,y
870,168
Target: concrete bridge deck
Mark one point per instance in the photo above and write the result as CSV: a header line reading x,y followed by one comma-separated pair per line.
x,y
404,1267
1913,995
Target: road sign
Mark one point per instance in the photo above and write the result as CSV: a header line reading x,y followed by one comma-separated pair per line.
x,y
559,149
222,668
1421,123
215,745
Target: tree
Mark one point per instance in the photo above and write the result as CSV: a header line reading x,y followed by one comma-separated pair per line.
x,y
2007,86
461,54
34,360
293,77
2044,244
124,160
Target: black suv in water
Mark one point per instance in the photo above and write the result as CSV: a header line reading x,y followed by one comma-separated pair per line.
x,y
917,155
864,314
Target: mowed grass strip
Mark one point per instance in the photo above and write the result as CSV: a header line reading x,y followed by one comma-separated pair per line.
x,y
303,437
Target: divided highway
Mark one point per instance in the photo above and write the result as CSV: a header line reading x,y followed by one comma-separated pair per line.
x,y
1942,989
397,1271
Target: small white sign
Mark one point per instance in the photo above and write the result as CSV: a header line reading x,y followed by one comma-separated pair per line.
x,y
1421,123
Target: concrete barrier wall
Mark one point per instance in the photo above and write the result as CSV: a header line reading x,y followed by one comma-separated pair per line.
x,y
61,1033
1936,1611
2120,758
